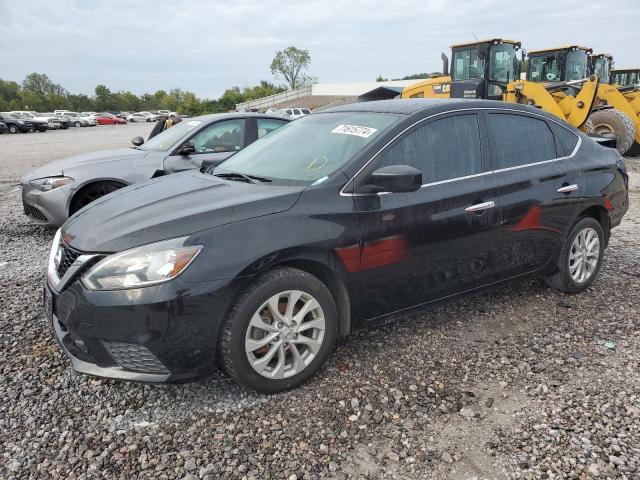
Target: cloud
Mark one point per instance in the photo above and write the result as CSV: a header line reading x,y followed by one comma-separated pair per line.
x,y
207,46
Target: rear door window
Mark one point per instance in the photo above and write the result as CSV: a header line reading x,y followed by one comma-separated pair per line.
x,y
518,140
268,125
444,149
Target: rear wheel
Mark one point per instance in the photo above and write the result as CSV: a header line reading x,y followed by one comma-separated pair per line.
x,y
614,123
580,259
13,129
92,192
77,124
279,332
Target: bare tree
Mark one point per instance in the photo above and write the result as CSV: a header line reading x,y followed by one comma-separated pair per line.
x,y
290,64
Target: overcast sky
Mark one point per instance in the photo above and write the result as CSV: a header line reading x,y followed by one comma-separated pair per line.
x,y
206,46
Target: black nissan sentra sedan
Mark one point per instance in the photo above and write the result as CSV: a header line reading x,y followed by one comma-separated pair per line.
x,y
325,227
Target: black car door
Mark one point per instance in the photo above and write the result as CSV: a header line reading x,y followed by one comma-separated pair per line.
x,y
211,145
539,188
439,240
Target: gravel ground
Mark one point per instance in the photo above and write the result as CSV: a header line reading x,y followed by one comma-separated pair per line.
x,y
520,383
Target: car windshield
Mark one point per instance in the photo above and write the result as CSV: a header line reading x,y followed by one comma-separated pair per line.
x,y
167,139
309,148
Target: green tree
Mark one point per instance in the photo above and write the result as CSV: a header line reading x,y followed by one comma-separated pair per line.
x,y
104,99
381,79
290,64
41,85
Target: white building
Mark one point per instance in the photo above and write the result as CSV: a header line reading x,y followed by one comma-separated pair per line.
x,y
321,95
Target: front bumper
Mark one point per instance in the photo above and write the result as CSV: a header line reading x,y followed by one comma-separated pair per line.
x,y
48,207
162,333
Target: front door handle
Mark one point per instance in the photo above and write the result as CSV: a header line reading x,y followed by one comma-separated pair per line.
x,y
480,207
568,188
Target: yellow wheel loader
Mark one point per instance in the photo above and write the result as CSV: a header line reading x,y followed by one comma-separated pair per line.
x,y
490,69
611,113
621,91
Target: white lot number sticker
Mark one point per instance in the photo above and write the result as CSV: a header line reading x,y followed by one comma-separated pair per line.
x,y
356,130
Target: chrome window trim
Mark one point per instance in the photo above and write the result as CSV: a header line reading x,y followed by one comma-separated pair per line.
x,y
489,172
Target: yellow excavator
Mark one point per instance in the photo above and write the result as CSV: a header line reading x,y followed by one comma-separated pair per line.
x,y
621,90
611,115
490,69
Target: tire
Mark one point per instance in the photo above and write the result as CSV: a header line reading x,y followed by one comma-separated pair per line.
x,y
562,279
239,326
588,127
77,124
92,192
612,122
13,129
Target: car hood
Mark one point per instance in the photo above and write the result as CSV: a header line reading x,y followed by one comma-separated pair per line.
x,y
169,207
65,166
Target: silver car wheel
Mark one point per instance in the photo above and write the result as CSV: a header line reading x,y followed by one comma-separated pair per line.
x,y
285,334
584,255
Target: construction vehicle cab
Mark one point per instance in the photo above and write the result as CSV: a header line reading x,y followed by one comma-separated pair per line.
x,y
484,69
626,77
601,65
558,65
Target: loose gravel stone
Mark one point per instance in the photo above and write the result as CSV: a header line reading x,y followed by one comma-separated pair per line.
x,y
403,384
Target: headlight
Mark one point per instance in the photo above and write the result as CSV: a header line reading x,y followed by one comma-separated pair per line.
x,y
51,183
141,266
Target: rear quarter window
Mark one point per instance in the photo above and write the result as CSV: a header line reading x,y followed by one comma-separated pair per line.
x,y
567,140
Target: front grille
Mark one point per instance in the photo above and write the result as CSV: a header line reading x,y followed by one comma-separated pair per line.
x,y
35,213
134,357
68,257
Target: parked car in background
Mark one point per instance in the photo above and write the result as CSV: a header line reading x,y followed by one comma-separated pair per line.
x,y
123,115
39,125
3,128
326,227
106,118
295,112
78,120
154,116
57,190
87,114
51,121
61,119
15,124
142,117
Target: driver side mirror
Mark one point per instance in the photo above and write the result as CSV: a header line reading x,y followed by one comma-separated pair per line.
x,y
137,141
396,179
187,149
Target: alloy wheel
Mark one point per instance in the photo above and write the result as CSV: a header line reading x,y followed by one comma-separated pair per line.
x,y
285,334
584,255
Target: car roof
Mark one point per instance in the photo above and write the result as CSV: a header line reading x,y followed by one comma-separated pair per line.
x,y
412,106
220,116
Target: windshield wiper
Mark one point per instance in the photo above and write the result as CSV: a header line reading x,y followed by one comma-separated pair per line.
x,y
242,177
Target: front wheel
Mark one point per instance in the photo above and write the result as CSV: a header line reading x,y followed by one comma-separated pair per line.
x,y
279,332
92,192
13,129
580,259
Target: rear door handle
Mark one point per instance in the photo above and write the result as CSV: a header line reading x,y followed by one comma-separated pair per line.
x,y
480,207
568,188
